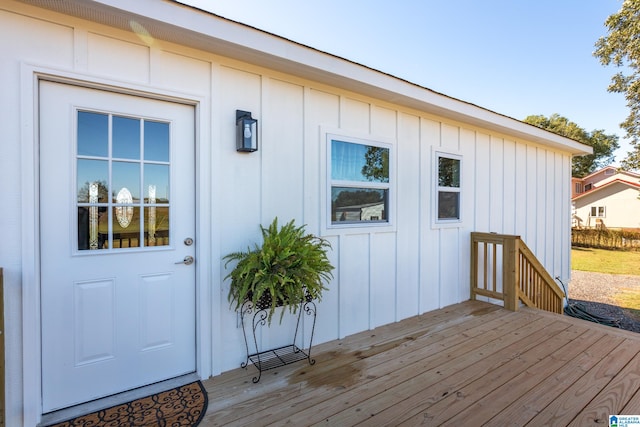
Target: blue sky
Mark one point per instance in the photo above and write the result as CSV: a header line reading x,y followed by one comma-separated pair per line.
x,y
514,57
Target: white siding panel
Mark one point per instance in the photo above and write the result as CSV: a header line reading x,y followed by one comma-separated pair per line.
x,y
469,165
548,253
35,41
482,190
282,329
409,189
241,172
520,178
565,212
327,326
383,279
183,73
321,109
429,237
354,284
238,227
383,122
541,204
509,196
558,225
565,233
449,266
355,115
530,236
450,138
282,152
496,185
130,64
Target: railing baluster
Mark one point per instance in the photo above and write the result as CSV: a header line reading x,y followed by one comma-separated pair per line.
x,y
523,276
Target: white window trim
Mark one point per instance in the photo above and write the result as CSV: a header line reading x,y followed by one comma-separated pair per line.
x,y
330,228
436,153
597,208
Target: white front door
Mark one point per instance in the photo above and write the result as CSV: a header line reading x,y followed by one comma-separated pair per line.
x,y
117,216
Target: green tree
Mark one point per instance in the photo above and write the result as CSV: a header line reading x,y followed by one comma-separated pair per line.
x,y
603,145
621,48
376,167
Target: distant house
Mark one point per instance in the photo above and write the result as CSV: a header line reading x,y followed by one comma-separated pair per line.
x,y
106,294
608,198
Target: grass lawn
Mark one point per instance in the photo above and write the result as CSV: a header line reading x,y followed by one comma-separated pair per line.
x,y
604,261
612,262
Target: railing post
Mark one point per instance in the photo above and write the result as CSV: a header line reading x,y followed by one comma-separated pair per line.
x,y
474,267
510,277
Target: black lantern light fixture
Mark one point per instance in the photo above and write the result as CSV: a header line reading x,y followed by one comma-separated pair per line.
x,y
246,132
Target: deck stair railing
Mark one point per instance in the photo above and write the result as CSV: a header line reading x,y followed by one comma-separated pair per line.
x,y
504,268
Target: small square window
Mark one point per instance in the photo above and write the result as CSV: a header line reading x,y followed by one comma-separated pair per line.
x,y
448,188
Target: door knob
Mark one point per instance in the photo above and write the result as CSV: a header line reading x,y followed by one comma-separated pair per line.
x,y
188,260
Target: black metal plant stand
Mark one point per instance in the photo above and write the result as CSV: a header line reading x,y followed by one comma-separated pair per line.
x,y
275,358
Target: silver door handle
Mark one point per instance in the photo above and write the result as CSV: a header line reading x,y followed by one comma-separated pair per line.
x,y
188,260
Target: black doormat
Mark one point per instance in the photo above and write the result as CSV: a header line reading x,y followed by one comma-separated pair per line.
x,y
181,406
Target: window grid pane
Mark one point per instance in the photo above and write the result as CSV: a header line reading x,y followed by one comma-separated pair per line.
x,y
448,188
448,205
114,210
352,204
360,183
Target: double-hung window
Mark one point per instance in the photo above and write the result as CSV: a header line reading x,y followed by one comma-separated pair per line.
x,y
448,188
360,181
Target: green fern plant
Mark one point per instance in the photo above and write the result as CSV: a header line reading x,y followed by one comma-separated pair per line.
x,y
289,267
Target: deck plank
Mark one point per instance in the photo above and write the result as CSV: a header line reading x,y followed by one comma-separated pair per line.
x,y
439,378
345,370
233,384
434,403
498,389
565,407
521,410
614,397
468,364
401,383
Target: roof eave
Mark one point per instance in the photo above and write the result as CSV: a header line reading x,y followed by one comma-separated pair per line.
x,y
175,22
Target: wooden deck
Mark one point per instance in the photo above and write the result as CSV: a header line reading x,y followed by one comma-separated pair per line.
x,y
469,364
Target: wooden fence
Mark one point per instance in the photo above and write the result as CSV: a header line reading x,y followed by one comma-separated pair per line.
x,y
504,268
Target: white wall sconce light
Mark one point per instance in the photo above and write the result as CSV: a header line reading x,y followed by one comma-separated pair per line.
x,y
246,132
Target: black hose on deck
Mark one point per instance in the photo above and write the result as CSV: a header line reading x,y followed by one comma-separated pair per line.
x,y
579,311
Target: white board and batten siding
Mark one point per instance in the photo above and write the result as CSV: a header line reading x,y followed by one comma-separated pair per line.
x,y
383,274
